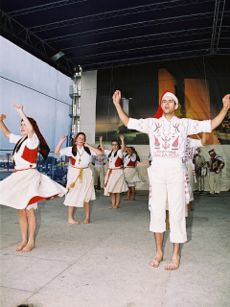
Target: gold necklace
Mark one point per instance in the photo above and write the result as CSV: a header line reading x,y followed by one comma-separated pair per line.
x,y
79,154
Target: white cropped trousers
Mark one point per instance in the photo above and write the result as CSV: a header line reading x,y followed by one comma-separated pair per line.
x,y
167,186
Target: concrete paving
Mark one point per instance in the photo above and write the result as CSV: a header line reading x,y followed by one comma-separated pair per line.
x,y
105,263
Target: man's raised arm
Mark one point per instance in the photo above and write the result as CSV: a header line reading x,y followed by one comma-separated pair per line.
x,y
215,122
117,102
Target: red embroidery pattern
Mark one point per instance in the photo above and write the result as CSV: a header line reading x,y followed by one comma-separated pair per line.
x,y
175,143
166,144
156,142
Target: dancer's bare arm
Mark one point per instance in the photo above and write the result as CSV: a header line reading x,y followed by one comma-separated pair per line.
x,y
3,127
220,117
123,147
19,109
101,143
96,150
117,102
59,145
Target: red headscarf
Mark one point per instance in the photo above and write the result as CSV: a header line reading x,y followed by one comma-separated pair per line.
x,y
159,112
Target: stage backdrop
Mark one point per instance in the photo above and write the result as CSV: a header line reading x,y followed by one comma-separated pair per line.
x,y
199,84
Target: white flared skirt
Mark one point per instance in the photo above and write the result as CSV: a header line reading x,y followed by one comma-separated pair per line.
x,y
115,182
24,188
131,176
82,189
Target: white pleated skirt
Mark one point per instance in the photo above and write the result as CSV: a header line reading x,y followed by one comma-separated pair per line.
x,y
131,176
24,188
115,182
83,190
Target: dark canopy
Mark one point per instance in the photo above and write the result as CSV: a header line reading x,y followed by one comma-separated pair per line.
x,y
106,33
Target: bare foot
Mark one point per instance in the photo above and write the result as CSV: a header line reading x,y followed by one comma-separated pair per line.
x,y
72,222
29,246
21,246
86,221
173,264
155,262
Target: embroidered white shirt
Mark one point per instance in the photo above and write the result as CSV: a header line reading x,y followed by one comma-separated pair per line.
x,y
168,137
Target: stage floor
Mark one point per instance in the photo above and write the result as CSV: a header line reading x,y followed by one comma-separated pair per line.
x,y
105,263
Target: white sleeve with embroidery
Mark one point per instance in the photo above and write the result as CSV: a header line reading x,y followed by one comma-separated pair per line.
x,y
142,125
197,126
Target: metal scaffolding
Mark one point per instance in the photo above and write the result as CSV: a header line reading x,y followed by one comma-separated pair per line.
x,y
75,94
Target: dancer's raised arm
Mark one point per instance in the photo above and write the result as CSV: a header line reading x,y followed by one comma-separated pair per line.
x,y
101,143
122,138
59,145
3,127
117,102
30,129
215,122
97,151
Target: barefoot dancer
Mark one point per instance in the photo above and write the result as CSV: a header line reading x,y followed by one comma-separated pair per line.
x,y
79,178
26,186
167,136
114,178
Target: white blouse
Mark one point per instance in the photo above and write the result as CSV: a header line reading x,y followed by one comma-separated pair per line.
x,y
30,143
82,159
130,159
114,162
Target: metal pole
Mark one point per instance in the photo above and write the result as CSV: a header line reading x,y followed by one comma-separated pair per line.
x,y
75,94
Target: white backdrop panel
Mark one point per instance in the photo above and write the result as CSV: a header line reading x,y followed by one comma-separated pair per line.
x,y
41,89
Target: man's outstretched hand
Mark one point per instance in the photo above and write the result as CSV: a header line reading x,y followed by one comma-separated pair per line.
x,y
226,102
117,97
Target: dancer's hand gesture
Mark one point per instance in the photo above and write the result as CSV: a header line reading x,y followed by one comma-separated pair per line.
x,y
2,117
117,97
226,102
18,107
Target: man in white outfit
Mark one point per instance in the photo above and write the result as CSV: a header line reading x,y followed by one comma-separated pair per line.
x,y
167,137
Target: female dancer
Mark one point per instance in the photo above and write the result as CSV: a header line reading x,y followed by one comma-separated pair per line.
x,y
131,176
79,178
26,186
115,179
